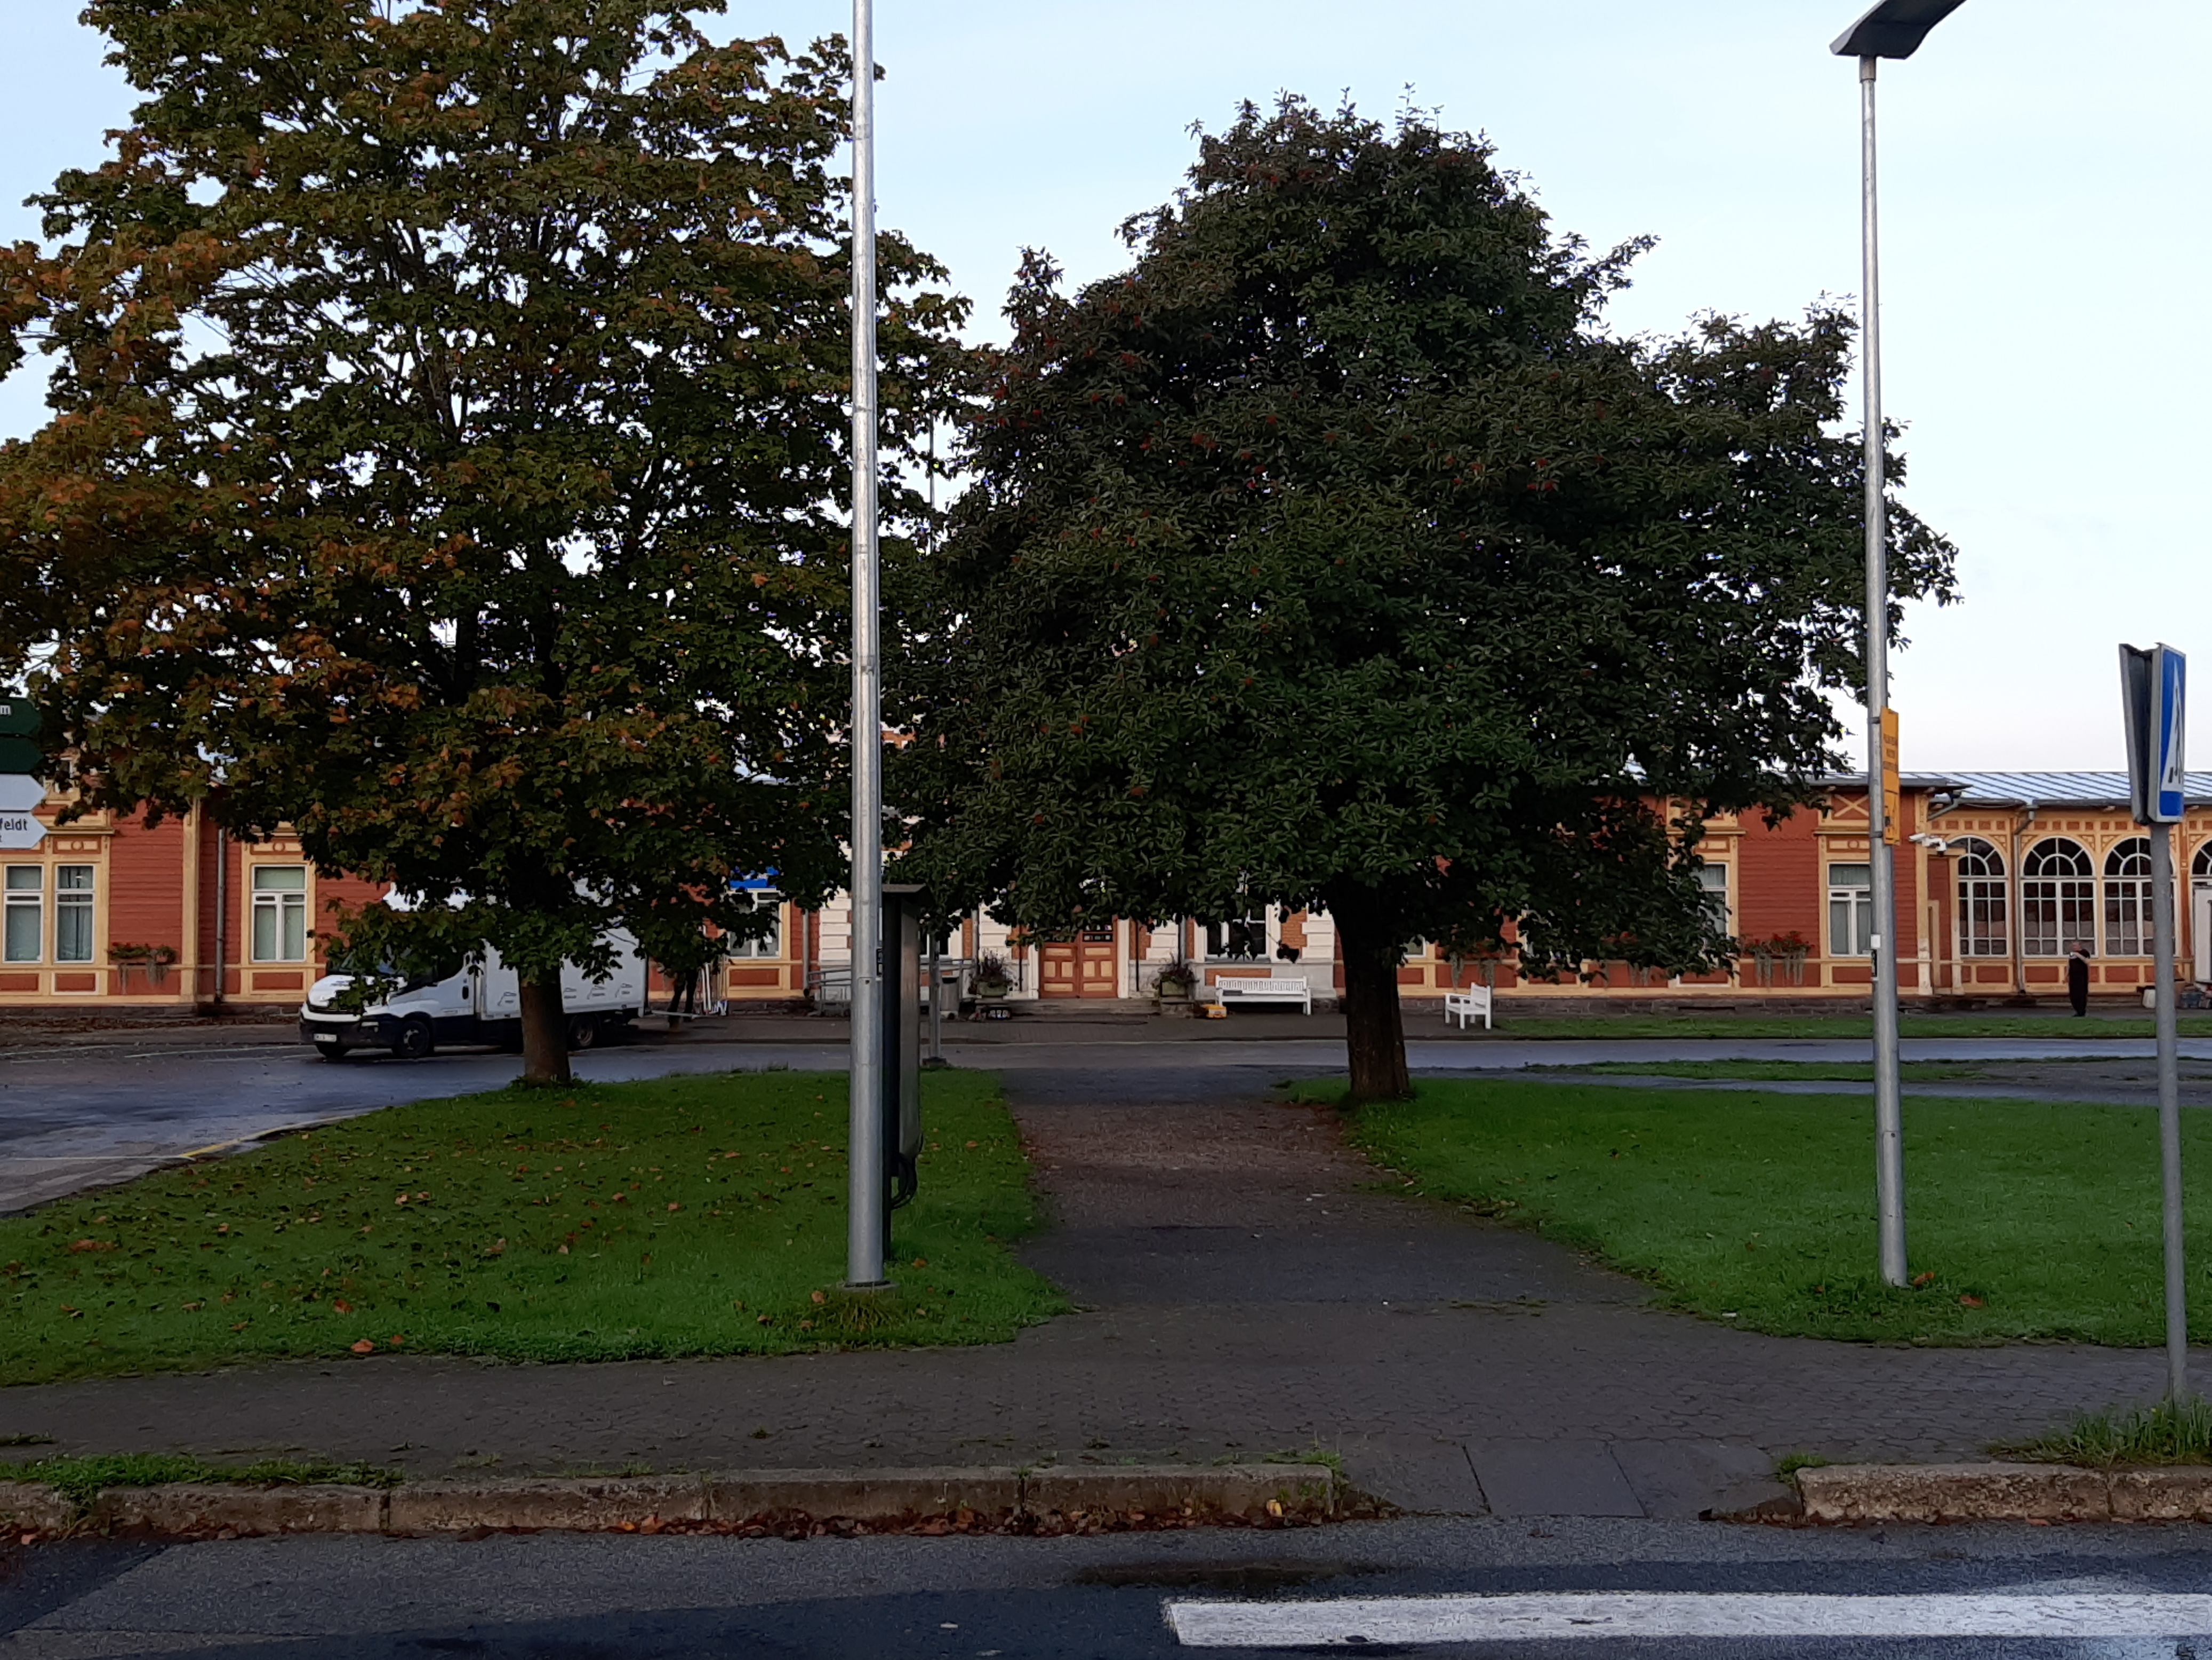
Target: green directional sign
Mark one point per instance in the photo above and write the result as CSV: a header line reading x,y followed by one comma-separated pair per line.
x,y
19,717
21,755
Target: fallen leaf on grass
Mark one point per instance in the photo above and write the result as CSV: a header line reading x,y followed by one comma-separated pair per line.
x,y
341,1305
673,1206
821,1297
364,1347
93,1244
1927,1279
397,1339
1970,1302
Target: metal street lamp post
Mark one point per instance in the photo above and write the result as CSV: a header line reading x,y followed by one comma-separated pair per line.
x,y
868,1195
1894,28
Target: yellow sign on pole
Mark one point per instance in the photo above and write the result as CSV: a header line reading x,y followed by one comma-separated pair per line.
x,y
1892,796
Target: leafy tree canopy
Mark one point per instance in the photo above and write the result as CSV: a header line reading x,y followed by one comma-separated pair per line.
x,y
1333,555
449,435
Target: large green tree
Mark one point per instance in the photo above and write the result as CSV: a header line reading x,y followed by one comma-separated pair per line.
x,y
1333,555
447,457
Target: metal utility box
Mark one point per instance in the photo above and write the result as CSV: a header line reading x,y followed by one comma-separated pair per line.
x,y
901,1044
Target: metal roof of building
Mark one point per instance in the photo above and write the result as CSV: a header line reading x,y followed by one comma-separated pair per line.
x,y
2070,789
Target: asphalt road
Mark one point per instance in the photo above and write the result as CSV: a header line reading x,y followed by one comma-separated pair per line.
x,y
2116,1593
78,1116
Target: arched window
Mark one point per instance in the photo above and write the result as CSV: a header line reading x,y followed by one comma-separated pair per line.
x,y
2200,868
2057,898
2127,898
1982,899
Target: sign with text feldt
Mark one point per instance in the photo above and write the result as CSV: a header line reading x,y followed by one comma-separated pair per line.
x,y
2154,690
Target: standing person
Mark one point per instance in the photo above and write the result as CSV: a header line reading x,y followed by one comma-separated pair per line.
x,y
2077,977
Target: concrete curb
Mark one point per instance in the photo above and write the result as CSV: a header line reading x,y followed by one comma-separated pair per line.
x,y
789,1503
2003,1492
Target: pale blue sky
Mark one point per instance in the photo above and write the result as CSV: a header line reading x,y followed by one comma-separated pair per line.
x,y
2044,234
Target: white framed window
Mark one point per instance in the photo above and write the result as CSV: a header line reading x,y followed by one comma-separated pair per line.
x,y
2057,898
279,913
771,943
1714,880
1238,939
26,925
2127,898
1984,900
1851,911
73,914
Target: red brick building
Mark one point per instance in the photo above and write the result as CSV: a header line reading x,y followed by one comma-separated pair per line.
x,y
1997,873
109,912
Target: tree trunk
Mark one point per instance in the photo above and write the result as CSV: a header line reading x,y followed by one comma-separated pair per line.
x,y
544,1033
1373,1032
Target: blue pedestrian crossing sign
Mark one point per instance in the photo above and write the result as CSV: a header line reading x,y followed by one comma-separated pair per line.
x,y
2153,687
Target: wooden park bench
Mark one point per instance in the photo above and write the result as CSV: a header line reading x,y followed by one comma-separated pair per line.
x,y
1252,988
1464,1006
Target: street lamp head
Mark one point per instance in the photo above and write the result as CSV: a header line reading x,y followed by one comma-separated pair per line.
x,y
1894,28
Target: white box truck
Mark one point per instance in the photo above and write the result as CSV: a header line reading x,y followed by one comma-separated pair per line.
x,y
479,1005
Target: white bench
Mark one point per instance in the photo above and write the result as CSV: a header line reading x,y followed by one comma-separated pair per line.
x,y
1253,989
1464,1006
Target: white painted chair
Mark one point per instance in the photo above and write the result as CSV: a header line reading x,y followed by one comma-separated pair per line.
x,y
1464,1006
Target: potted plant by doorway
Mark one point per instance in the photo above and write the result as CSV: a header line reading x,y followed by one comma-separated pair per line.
x,y
993,980
1171,985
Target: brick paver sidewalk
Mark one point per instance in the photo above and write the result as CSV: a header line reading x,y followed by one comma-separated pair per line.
x,y
1241,1293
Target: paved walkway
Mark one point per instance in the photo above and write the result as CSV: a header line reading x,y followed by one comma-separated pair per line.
x,y
1243,1294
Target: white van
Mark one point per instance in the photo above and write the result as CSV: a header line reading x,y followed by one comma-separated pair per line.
x,y
479,1005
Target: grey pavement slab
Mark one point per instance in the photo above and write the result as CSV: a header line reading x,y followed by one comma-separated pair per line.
x,y
1678,1480
1567,1476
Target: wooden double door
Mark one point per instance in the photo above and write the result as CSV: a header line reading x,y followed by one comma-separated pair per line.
x,y
1082,967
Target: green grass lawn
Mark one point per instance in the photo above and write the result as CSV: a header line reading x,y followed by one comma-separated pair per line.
x,y
699,1215
1913,1071
2029,1219
1587,1027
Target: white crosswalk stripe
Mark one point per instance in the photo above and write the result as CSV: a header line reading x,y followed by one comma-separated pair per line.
x,y
1546,1616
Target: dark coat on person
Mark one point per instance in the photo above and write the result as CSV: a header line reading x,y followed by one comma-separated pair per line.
x,y
2077,981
